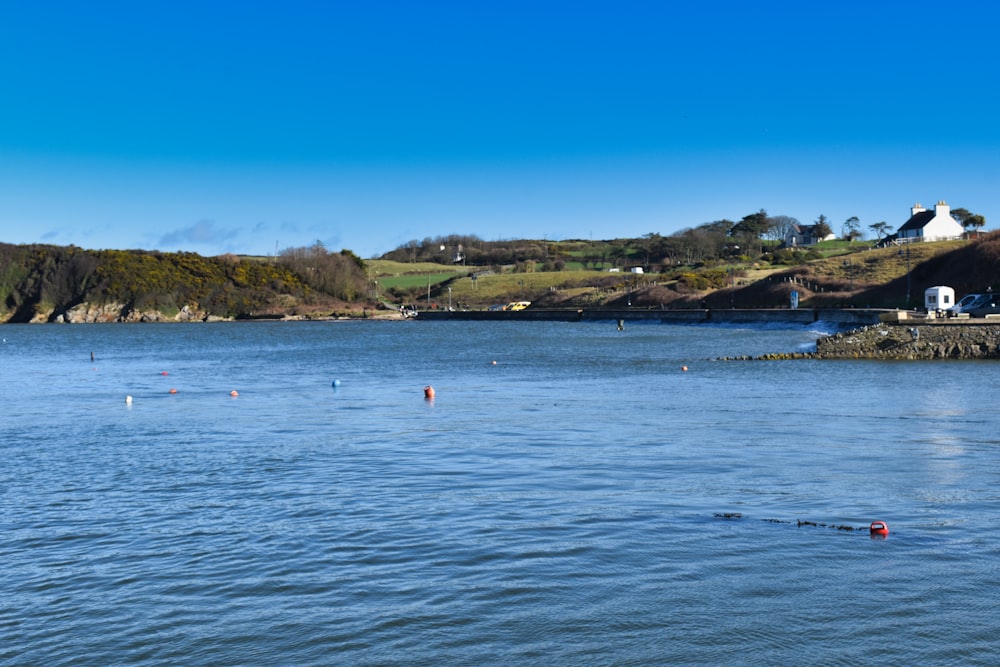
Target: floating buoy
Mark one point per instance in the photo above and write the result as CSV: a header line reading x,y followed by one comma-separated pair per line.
x,y
493,363
879,529
336,383
128,400
234,393
164,373
429,392
684,368
173,391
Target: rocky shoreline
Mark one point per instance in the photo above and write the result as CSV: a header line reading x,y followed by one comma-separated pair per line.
x,y
911,341
116,313
902,341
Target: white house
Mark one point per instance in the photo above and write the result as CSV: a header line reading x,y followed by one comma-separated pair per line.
x,y
925,225
804,235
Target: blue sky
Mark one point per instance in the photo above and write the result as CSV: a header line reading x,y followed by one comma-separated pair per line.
x,y
242,127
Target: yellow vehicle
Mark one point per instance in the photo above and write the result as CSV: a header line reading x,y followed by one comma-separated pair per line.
x,y
517,305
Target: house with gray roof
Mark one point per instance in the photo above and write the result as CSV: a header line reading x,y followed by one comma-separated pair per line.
x,y
800,235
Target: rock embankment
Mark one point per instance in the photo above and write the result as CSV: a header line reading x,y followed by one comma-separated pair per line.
x,y
902,341
908,340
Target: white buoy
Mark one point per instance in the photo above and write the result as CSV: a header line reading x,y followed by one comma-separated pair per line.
x,y
128,400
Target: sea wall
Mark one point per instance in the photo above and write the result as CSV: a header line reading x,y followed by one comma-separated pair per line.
x,y
908,340
845,316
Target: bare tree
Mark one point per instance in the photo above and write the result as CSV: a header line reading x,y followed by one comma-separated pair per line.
x,y
781,225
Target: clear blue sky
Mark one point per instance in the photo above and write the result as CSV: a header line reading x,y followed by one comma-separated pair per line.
x,y
243,126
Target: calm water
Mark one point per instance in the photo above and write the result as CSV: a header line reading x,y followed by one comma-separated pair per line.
x,y
554,508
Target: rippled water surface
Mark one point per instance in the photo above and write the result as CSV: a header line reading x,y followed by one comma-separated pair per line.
x,y
556,507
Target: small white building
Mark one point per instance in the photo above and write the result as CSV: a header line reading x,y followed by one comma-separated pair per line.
x,y
940,297
925,225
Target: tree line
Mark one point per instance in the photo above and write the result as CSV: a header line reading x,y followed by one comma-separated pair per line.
x,y
756,235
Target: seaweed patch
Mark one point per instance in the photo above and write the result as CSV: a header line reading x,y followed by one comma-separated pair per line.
x,y
798,522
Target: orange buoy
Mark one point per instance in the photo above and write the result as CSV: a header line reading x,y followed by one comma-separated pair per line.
x,y
879,529
429,392
234,393
173,391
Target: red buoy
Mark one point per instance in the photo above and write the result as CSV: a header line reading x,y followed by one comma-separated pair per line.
x,y
879,529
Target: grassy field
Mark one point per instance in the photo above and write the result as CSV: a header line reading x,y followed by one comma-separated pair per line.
x,y
413,277
415,280
503,288
880,265
385,267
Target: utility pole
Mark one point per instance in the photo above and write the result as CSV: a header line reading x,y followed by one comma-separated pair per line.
x,y
907,275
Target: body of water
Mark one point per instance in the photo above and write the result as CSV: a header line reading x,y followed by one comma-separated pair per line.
x,y
557,503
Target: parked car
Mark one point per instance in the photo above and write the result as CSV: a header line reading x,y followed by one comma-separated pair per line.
x,y
970,301
984,307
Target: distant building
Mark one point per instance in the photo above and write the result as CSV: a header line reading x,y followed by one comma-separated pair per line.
x,y
799,235
925,225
